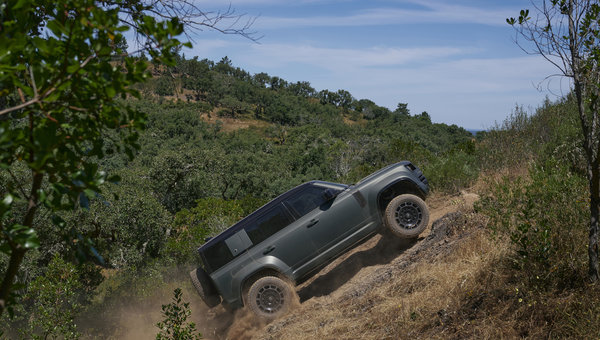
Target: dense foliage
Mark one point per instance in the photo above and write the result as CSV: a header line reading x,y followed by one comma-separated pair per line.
x,y
60,113
205,160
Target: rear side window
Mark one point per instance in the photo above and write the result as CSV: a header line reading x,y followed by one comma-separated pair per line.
x,y
307,200
217,256
268,224
257,230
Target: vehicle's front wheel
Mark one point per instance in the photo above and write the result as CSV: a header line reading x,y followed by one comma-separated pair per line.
x,y
406,216
270,297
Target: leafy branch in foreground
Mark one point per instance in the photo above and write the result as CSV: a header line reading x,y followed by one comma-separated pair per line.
x,y
65,76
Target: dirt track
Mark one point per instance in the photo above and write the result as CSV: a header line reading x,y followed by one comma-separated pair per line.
x,y
349,278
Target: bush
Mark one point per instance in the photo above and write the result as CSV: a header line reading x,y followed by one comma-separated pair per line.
x,y
545,217
53,302
454,171
175,325
164,86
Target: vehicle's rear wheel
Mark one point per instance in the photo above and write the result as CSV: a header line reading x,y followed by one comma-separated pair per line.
x,y
270,297
406,216
205,287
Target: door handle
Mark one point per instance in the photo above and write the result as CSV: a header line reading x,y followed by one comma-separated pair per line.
x,y
312,222
268,250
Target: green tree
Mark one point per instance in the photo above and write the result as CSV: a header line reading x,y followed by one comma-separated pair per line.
x,y
567,34
345,99
62,95
302,89
402,109
198,77
54,300
224,66
261,79
165,86
234,106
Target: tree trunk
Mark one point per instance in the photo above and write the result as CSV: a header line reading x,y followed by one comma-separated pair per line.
x,y
593,271
17,251
594,180
16,257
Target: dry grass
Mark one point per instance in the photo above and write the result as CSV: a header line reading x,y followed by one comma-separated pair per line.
x,y
407,298
233,124
457,282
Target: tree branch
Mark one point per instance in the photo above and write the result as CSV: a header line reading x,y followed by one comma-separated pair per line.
x,y
39,98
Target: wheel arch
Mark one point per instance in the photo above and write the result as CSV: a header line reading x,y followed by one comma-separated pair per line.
x,y
399,187
250,279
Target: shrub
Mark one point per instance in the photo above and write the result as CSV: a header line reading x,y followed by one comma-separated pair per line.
x,y
164,86
53,300
452,172
545,216
175,325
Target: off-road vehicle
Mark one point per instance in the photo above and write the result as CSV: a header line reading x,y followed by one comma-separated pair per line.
x,y
257,261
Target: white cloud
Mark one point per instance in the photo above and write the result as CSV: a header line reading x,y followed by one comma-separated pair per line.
x,y
372,14
343,59
432,12
469,92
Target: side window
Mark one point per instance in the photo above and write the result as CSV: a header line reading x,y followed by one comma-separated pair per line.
x,y
307,200
268,224
217,256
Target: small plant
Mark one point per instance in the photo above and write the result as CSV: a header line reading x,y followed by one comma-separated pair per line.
x,y
175,325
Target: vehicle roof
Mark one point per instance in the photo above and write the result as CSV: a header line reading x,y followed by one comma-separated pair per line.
x,y
239,225
380,171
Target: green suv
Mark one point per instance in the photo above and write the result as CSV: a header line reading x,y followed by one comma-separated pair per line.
x,y
257,261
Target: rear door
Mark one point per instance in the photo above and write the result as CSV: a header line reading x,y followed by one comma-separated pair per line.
x,y
281,237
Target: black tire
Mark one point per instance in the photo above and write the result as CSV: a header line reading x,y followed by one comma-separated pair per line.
x,y
205,287
406,216
269,297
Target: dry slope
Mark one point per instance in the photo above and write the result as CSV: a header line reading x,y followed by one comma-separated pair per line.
x,y
385,288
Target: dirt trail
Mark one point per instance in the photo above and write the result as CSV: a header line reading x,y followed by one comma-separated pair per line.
x,y
348,277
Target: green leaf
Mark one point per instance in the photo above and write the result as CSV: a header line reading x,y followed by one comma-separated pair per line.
x,y
84,202
24,236
20,4
110,91
7,201
56,27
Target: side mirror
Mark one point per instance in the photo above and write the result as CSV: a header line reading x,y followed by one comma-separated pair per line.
x,y
330,194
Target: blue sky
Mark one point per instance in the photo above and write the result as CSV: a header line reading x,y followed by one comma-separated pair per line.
x,y
457,59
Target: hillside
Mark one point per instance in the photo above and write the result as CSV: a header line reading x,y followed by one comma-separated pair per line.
x,y
380,280
218,143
